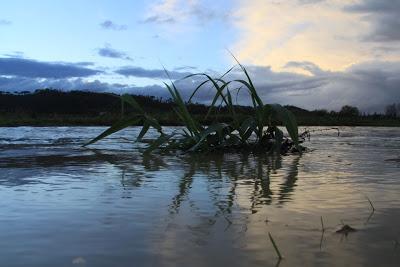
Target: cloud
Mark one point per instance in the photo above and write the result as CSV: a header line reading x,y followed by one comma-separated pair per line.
x,y
331,34
304,65
17,84
185,68
5,22
370,85
108,51
22,67
278,32
13,84
182,11
383,17
159,20
110,25
150,73
306,2
15,54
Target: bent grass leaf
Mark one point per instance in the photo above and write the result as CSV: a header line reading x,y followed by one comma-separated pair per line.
x,y
118,126
153,123
144,130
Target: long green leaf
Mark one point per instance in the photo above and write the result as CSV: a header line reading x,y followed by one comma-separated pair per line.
x,y
131,101
289,121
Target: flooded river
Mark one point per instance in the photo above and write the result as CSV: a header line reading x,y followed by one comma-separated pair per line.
x,y
107,205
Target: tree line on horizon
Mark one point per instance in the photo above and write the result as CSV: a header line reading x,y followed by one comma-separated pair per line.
x,y
393,110
51,102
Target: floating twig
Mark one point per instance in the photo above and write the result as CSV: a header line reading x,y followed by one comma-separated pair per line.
x,y
396,243
321,240
370,202
307,133
275,246
369,217
322,224
346,229
229,223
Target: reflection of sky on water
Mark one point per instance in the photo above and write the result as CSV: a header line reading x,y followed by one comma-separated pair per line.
x,y
109,205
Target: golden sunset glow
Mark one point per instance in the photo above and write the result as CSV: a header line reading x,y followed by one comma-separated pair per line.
x,y
273,33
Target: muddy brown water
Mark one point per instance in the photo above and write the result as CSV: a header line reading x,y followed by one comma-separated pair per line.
x,y
107,205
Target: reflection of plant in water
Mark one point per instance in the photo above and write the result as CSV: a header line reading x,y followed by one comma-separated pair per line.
x,y
184,187
151,162
290,182
229,171
235,170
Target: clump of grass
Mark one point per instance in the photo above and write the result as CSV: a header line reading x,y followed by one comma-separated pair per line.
x,y
257,132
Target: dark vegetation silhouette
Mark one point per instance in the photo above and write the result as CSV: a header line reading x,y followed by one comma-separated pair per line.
x,y
393,110
55,107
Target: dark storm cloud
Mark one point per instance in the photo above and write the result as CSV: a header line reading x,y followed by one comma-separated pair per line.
x,y
369,86
110,52
110,25
150,73
37,69
383,17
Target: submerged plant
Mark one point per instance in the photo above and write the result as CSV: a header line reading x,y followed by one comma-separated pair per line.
x,y
257,132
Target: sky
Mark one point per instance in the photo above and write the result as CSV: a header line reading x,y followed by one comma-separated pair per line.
x,y
315,54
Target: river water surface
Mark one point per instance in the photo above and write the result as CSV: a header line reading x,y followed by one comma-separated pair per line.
x,y
107,205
